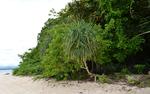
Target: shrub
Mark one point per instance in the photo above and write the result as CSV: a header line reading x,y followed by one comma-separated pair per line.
x,y
125,71
103,78
139,68
132,80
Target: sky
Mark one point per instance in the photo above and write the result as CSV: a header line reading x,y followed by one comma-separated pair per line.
x,y
20,23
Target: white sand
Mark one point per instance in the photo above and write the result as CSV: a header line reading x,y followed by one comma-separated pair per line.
x,y
25,85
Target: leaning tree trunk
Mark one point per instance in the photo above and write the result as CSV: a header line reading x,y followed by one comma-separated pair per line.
x,y
88,71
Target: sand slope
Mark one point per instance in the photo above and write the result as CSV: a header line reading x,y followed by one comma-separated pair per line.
x,y
25,85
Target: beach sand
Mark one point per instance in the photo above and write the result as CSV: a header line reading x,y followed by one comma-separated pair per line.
x,y
26,85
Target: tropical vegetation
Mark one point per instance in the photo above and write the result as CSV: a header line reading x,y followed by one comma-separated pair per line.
x,y
89,38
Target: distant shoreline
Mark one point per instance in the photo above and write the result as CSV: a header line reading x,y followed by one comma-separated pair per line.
x,y
6,72
7,67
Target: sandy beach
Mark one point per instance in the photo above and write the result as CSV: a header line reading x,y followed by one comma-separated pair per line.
x,y
26,85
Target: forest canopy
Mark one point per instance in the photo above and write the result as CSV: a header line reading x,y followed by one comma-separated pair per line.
x,y
90,37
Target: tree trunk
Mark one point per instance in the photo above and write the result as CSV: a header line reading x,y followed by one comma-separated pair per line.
x,y
88,71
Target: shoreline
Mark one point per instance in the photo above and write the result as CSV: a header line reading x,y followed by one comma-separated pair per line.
x,y
26,85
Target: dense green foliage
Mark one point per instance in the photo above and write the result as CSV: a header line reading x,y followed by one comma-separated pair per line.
x,y
92,37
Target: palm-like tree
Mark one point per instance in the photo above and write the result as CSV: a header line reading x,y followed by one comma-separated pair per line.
x,y
80,44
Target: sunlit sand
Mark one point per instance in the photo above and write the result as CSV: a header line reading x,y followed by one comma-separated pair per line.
x,y
26,85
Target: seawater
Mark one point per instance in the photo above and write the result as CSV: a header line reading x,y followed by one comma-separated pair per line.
x,y
5,71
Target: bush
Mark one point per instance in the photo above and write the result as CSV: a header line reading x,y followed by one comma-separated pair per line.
x,y
139,68
125,71
132,80
103,78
